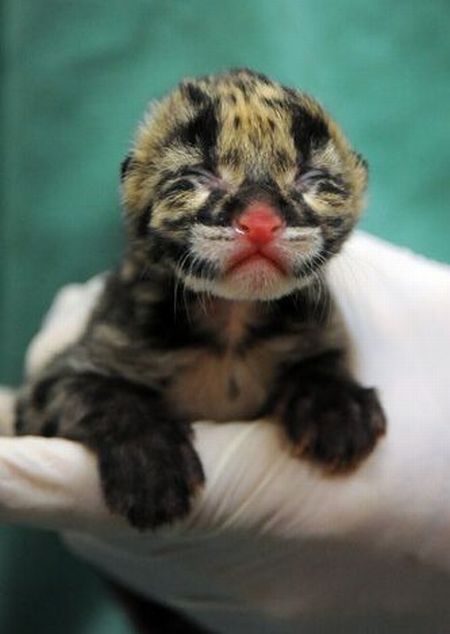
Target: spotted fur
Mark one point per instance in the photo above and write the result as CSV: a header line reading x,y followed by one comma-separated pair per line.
x,y
179,334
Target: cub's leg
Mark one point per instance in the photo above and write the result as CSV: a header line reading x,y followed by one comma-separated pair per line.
x,y
148,466
328,416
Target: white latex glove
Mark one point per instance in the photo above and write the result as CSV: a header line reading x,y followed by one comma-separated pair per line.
x,y
273,545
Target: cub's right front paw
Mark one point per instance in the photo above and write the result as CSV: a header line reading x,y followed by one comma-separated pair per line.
x,y
150,480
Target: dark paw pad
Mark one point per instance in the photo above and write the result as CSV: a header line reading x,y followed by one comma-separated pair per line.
x,y
334,422
150,480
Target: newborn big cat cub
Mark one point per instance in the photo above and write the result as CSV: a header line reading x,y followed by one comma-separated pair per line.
x,y
237,191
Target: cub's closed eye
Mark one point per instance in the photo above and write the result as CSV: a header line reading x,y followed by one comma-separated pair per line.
x,y
199,173
321,182
204,177
310,177
188,179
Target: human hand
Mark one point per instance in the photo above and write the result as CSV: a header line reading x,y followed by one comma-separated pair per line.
x,y
272,544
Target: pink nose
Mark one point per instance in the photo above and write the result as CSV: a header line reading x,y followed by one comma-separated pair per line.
x,y
259,223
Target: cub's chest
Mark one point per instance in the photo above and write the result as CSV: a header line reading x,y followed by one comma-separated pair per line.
x,y
233,380
222,386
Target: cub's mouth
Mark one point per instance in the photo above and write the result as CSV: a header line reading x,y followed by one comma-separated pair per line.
x,y
256,259
254,276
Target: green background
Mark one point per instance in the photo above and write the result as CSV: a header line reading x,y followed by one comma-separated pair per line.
x,y
76,78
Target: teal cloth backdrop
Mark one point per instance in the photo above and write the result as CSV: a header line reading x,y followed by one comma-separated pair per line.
x,y
77,75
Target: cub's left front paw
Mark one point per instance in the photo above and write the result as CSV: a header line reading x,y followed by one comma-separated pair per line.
x,y
334,422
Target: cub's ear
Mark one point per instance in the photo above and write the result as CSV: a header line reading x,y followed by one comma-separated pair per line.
x,y
362,161
125,166
362,169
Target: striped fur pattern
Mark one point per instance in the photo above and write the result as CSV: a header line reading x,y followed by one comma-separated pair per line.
x,y
218,142
179,334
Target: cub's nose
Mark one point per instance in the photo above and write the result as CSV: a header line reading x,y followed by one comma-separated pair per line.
x,y
259,223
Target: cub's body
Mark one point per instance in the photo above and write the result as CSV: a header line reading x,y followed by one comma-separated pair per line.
x,y
237,192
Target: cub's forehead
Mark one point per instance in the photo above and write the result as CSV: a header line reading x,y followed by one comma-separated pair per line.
x,y
241,114
243,100
243,87
236,87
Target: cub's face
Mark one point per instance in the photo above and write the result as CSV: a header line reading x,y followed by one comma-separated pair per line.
x,y
243,187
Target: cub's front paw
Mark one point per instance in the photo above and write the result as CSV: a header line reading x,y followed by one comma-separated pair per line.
x,y
150,480
334,422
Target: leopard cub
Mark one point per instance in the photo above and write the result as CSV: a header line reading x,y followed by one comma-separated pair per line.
x,y
237,191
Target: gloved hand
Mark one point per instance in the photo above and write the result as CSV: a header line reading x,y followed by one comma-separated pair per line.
x,y
273,545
